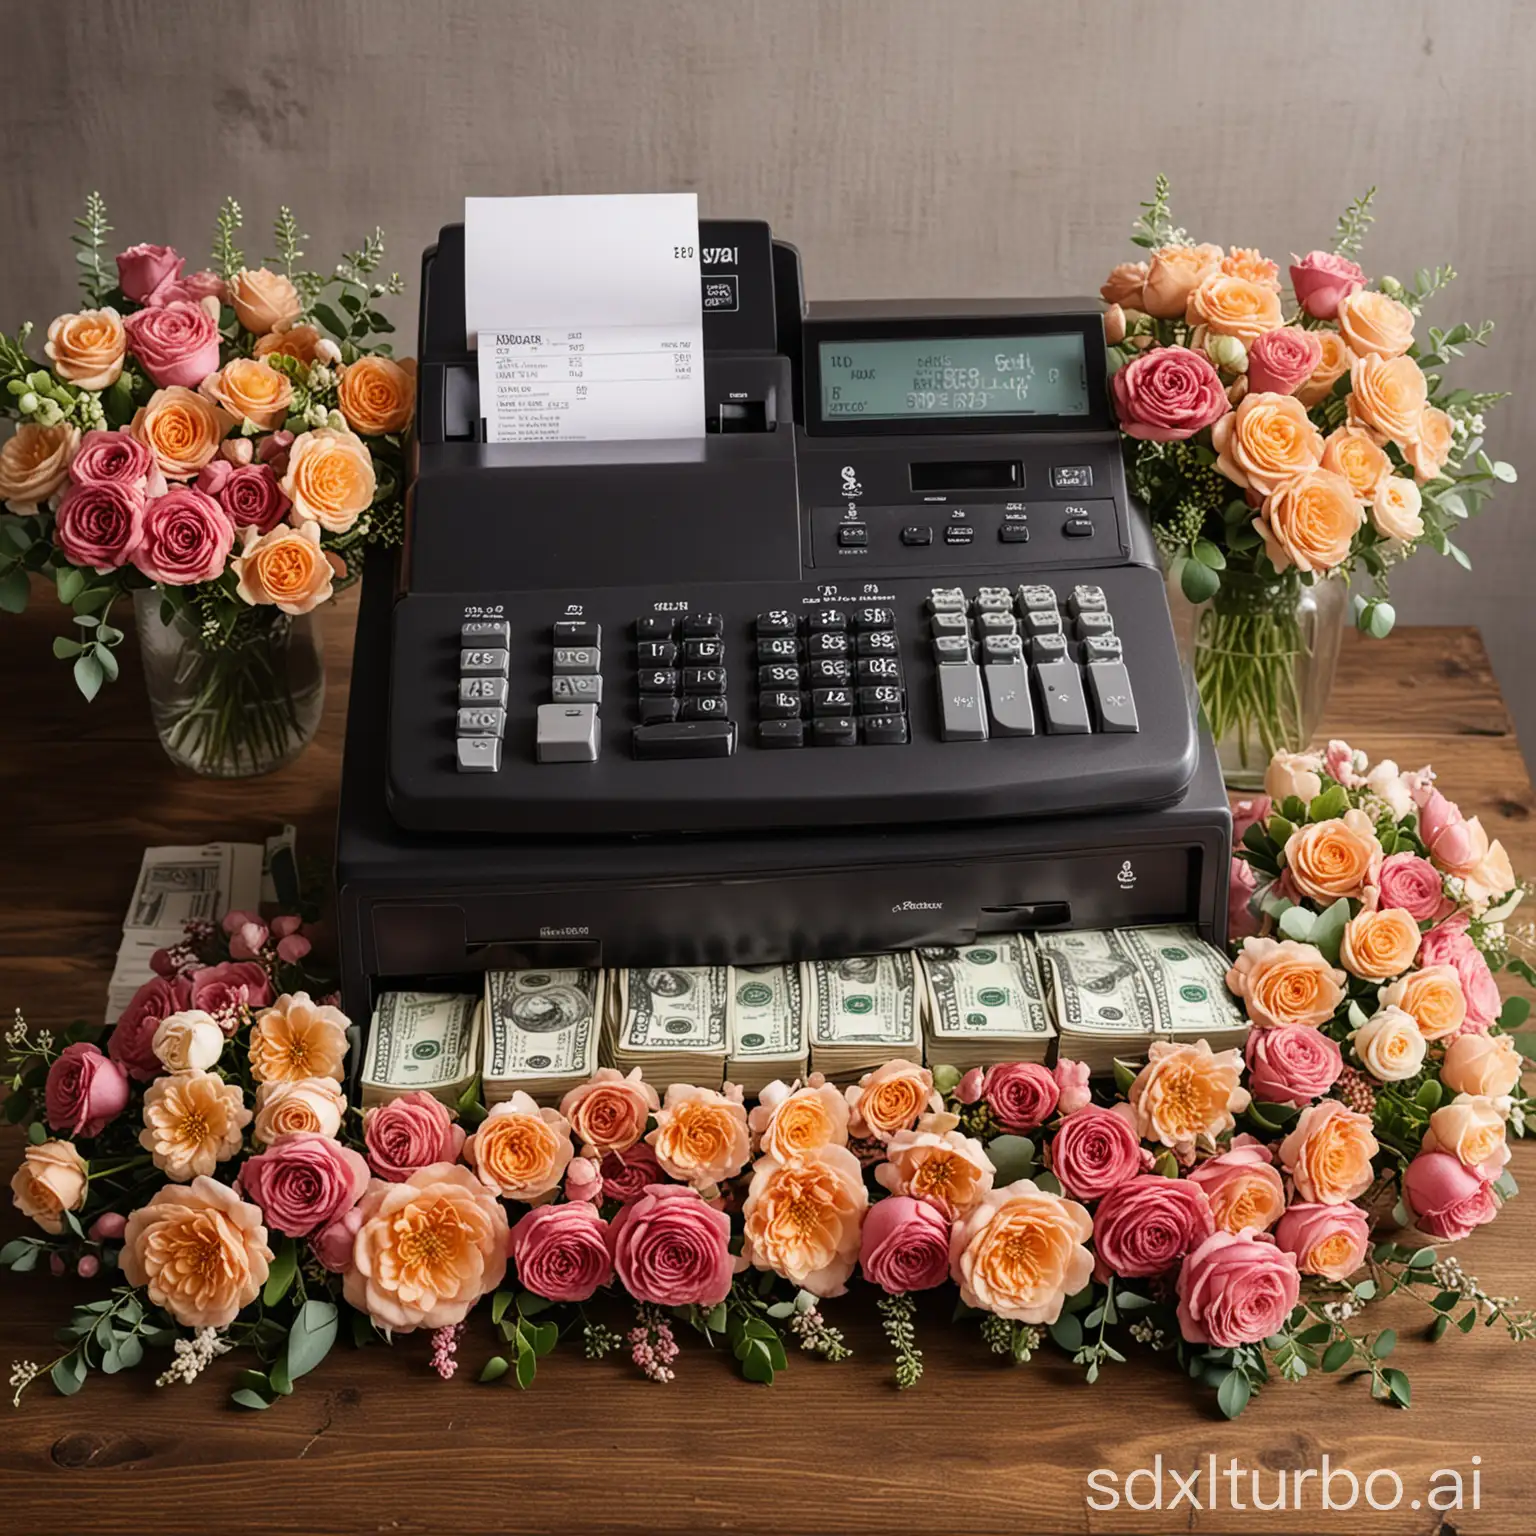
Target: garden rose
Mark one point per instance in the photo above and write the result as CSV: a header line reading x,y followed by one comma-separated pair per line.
x,y
1253,811
377,395
1124,284
87,349
627,1174
1280,360
286,567
1267,441
672,1248
1379,945
304,1182
1293,773
1471,1129
1392,786
788,1121
1353,453
193,1121
1310,521
1292,1064
85,1091
188,1042
1390,1046
1186,1092
583,1180
1168,394
1236,1288
1020,1252
1021,1095
1328,1153
143,268
1339,857
1432,998
185,538
937,1163
329,478
561,1252
701,1135
182,429
410,1133
100,526
191,288
298,1037
1252,265
50,1180
315,1105
300,342
1431,445
1461,848
802,1219
224,989
251,391
1387,397
1285,982
1395,509
1235,306
131,1043
1481,1064
200,1250
1173,273
1321,279
35,462
116,458
609,1112
1146,1225
891,1099
1445,1199
263,301
333,1245
1243,1186
1413,884
1330,1241
178,344
1331,367
904,1245
1373,323
521,1150
1093,1150
1449,945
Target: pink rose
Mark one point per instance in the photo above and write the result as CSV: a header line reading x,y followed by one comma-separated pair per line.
x,y
1072,1083
1146,1225
1021,1095
248,493
293,949
1450,838
1320,279
143,268
904,1245
1445,1198
130,1044
177,343
409,1133
1292,1064
1242,882
304,1182
584,1180
561,1252
1328,1240
224,989
100,525
116,458
627,1174
247,939
1243,1186
969,1089
333,1244
85,1090
1093,1150
1449,945
1168,394
1236,1288
273,450
1281,359
191,288
187,538
1246,813
1339,757
285,925
672,1247
107,1228
1414,884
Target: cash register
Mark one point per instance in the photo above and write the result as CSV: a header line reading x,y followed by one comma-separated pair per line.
x,y
881,658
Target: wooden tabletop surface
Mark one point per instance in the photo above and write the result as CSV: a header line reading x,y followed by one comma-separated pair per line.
x,y
374,1442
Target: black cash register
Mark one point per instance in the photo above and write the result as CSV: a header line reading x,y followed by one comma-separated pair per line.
x,y
881,659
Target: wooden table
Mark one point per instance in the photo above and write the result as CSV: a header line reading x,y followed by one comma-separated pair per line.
x,y
375,1442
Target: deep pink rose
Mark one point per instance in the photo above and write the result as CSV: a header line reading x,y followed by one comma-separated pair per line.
x,y
192,288
1445,1198
273,450
107,1227
1146,1225
1320,279
1242,882
130,1044
85,1091
304,1182
333,1245
1305,1228
115,458
561,1251
673,1248
1281,359
904,1245
1449,945
100,526
1412,883
1168,394
224,989
1292,1064
1245,813
187,538
627,1174
1236,1288
968,1089
1093,1150
177,343
408,1133
1021,1095
1072,1084
143,268
248,493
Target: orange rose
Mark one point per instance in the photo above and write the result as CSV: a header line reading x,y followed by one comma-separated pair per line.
x,y
1432,998
890,1099
285,567
1471,1129
1328,1153
1353,453
1020,1252
1173,273
608,1112
1234,306
939,1164
701,1135
1395,509
1485,1064
296,1038
1187,1093
50,1180
263,300
1372,323
1124,284
300,342
1284,982
377,395
1331,366
313,1104
88,349
251,391
193,1121
1340,857
1387,396
1310,521
330,478
1243,1187
1252,266
1431,448
802,1219
1268,440
520,1150
182,429
34,463
1379,945
789,1122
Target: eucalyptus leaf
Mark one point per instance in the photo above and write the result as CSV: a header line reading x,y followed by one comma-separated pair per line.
x,y
1338,1355
88,675
311,1337
285,1265
1012,1156
14,590
246,1398
1067,1331
495,1368
1233,1394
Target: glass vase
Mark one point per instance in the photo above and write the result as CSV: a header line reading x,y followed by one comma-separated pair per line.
x,y
1262,654
232,705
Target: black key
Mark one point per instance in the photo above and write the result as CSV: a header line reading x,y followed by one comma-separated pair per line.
x,y
1013,533
703,679
852,536
835,731
778,648
657,706
881,699
779,704
705,706
828,645
827,620
917,533
658,679
873,618
884,730
1078,528
831,674
781,733
685,738
832,701
702,625
959,533
578,632
654,626
657,653
703,653
879,669
881,642
781,674
779,622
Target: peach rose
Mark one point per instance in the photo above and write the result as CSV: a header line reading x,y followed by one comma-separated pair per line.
x,y
890,1099
939,1164
1331,367
1268,440
803,1219
608,1112
1395,509
201,1250
182,429
1243,1186
1124,284
377,395
1173,273
312,1104
701,1135
300,342
1310,521
297,1037
427,1249
1355,454
251,391
1283,982
286,567
1482,1064
520,1150
1379,945
1020,1252
87,349
1330,1241
1328,1153
1432,997
1431,446
330,477
1471,1129
1387,396
1235,306
1338,857
789,1121
1252,266
193,1121
263,300
1372,323
50,1181
1293,773
1390,1046
1187,1093
34,463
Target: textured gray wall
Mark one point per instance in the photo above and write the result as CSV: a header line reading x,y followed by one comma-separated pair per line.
x,y
947,147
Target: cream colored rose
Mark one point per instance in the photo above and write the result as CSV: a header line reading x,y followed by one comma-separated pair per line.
x,y
789,1122
87,349
890,1099
1268,440
1124,284
251,391
1293,773
182,429
1485,1064
34,463
1355,454
1432,997
1235,306
1020,1252
1387,397
377,394
50,1181
1471,1129
188,1042
263,300
330,478
939,1164
297,1037
701,1135
1187,1094
1379,945
1310,521
193,1121
1431,447
1340,857
1375,324
286,567
1328,1153
802,1219
1395,509
1173,273
521,1151
1390,1045
1331,366
1283,982
313,1104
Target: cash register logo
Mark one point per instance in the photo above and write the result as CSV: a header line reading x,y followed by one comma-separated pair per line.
x,y
1127,876
851,486
918,906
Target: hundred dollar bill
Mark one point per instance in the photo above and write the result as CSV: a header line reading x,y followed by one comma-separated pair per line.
x,y
1189,980
764,1014
1097,985
420,1040
541,1030
865,1000
985,1003
676,1009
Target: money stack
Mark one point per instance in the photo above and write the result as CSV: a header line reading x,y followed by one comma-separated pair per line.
x,y
1189,984
541,1032
863,1012
984,1003
672,1024
420,1040
765,1026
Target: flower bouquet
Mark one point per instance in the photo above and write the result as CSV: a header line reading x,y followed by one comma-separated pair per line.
x,y
219,446
1281,444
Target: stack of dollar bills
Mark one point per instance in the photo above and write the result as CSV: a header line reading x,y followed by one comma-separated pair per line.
x,y
765,1026
984,1004
421,1040
671,1023
862,1012
541,1032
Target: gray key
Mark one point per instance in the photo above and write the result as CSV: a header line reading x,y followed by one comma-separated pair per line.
x,y
1086,599
483,690
475,721
1045,648
567,733
480,663
951,648
947,623
1036,597
1111,686
479,754
572,660
991,623
490,633
1042,621
1005,594
1101,648
1091,623
1008,699
946,600
1061,691
994,600
576,690
961,705
1001,648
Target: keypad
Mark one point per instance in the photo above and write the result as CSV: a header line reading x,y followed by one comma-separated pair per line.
x,y
566,728
683,684
480,719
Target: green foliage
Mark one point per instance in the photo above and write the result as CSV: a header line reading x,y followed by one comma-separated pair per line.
x,y
228,258
1349,233
1155,225
898,1319
95,282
